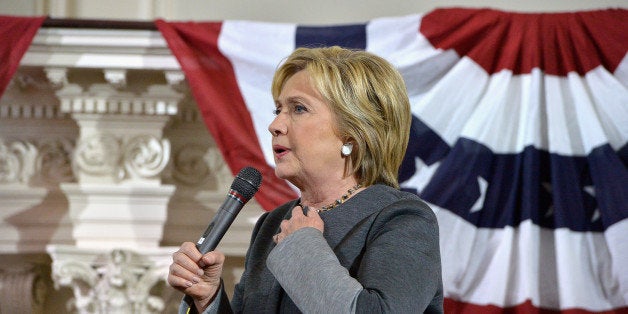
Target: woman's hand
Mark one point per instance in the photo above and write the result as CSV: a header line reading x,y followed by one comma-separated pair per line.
x,y
195,274
298,221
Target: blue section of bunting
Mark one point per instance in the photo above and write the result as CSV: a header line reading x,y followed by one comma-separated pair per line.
x,y
348,36
554,191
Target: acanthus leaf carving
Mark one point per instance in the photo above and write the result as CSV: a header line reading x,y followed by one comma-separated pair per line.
x,y
146,156
98,155
16,161
140,157
117,282
54,162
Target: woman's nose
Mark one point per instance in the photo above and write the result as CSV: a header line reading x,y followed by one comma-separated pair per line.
x,y
277,126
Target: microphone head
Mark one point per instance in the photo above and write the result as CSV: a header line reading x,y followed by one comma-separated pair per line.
x,y
247,181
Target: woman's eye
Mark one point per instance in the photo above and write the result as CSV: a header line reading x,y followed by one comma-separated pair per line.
x,y
277,111
300,109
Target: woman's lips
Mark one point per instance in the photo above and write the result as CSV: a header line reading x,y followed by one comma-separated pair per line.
x,y
280,151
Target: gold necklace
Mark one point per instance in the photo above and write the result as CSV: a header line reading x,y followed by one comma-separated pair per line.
x,y
341,200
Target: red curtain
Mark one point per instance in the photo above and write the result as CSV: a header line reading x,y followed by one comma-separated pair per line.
x,y
17,34
215,89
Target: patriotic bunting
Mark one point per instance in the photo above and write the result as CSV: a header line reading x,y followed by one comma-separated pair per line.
x,y
518,142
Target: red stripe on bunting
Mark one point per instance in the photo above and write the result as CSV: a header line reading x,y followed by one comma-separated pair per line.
x,y
557,43
457,307
17,34
195,45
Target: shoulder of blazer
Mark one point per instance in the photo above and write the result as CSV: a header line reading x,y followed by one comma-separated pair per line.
x,y
350,249
403,207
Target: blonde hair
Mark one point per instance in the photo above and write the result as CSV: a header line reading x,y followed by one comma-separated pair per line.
x,y
369,100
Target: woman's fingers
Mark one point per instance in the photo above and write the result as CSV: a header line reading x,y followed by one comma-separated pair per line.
x,y
301,218
188,257
180,277
189,266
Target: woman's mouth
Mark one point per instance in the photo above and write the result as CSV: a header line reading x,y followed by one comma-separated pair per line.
x,y
280,151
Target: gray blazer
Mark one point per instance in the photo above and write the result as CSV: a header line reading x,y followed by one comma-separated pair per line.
x,y
387,239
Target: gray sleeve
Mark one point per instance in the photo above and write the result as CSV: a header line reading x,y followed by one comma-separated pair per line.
x,y
215,305
220,304
316,284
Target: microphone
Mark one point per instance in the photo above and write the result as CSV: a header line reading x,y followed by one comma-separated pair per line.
x,y
244,186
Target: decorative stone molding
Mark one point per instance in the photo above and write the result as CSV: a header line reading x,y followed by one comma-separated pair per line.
x,y
142,157
117,215
100,142
104,99
116,77
42,164
174,78
17,162
100,49
54,163
98,155
58,77
111,281
23,289
29,111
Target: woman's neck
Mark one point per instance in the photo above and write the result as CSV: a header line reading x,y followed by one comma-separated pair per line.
x,y
321,195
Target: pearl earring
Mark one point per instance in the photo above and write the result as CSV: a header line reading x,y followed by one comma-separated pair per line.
x,y
346,149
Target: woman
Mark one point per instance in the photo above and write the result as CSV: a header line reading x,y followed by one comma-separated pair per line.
x,y
353,242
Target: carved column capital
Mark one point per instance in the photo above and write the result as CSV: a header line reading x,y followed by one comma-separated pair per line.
x,y
120,130
111,281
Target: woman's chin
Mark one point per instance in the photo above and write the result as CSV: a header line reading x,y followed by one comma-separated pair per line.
x,y
283,174
280,173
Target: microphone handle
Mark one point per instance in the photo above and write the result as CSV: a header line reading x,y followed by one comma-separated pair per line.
x,y
218,226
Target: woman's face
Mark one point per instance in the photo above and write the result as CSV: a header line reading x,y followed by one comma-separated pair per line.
x,y
305,145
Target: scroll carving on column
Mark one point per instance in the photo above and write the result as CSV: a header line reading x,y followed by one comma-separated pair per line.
x,y
117,282
141,157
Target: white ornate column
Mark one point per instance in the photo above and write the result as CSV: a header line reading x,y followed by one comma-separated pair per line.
x,y
93,160
118,204
118,199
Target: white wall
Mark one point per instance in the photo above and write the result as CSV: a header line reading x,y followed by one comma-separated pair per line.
x,y
291,11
